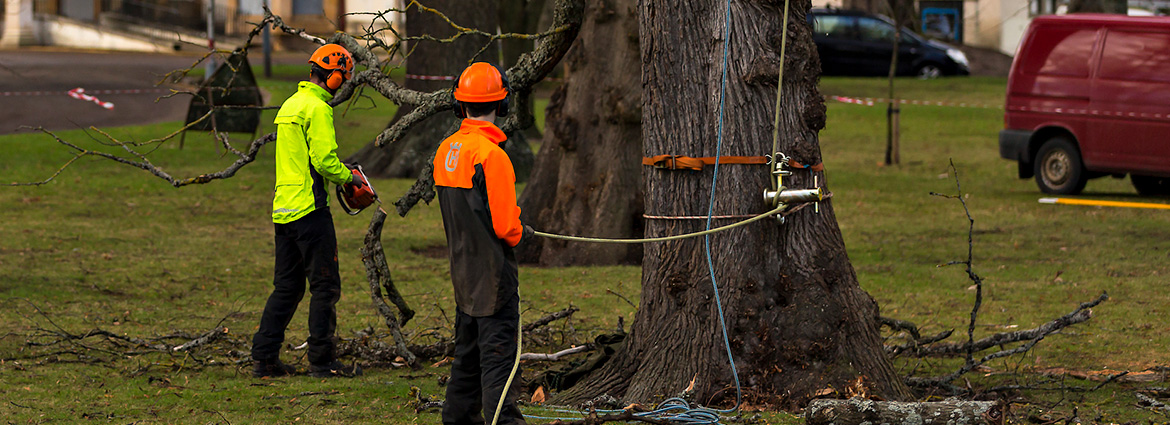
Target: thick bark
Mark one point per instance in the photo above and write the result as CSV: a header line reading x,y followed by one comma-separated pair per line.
x,y
797,319
857,411
406,157
588,172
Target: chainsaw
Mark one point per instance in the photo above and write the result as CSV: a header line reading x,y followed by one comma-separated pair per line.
x,y
353,201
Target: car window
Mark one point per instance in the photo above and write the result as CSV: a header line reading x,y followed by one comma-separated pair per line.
x,y
834,26
875,30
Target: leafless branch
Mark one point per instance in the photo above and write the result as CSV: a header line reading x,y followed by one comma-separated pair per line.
x,y
557,355
543,321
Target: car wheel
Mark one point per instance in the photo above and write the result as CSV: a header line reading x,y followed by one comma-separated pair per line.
x,y
1150,186
1058,167
928,71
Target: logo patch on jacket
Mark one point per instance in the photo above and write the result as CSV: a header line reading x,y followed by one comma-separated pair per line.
x,y
452,160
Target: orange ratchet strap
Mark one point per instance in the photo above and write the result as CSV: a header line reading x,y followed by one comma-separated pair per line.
x,y
679,162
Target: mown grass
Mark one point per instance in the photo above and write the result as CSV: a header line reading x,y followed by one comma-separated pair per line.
x,y
112,247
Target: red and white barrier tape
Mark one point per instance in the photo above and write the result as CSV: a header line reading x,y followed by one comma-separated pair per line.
x,y
452,78
870,101
430,77
58,93
79,93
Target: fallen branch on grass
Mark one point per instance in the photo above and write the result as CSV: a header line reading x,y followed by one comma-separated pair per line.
x,y
856,411
1080,315
378,275
971,346
1153,403
551,317
557,355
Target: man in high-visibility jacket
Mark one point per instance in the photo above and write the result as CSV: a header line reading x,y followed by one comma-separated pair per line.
x,y
476,188
306,245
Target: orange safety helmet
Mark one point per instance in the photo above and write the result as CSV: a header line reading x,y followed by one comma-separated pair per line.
x,y
333,57
481,83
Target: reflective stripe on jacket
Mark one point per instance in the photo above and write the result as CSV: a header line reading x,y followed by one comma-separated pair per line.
x,y
305,152
476,188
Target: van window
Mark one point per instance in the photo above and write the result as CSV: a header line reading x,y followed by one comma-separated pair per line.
x,y
875,30
1136,56
835,26
1065,51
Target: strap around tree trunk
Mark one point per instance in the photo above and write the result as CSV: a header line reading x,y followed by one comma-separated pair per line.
x,y
679,162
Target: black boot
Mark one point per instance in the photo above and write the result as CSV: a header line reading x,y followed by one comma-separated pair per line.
x,y
271,368
335,369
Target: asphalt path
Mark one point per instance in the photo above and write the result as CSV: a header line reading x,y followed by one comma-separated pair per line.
x,y
34,86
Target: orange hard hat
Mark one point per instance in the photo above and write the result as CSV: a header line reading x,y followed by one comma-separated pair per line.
x,y
481,82
333,57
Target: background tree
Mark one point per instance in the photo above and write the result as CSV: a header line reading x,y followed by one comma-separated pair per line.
x,y
586,180
524,17
429,57
1098,6
797,319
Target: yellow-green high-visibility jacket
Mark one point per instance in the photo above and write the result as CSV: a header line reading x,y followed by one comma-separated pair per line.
x,y
305,152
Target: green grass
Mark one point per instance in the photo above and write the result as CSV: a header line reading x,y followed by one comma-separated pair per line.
x,y
107,246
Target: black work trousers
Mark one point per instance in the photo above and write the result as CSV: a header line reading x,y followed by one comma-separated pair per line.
x,y
485,350
305,249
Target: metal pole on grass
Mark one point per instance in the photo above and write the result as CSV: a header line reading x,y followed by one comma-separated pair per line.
x,y
210,67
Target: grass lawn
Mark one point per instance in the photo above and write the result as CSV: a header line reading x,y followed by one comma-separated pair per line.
x,y
111,247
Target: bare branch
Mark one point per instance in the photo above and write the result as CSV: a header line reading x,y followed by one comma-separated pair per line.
x,y
557,355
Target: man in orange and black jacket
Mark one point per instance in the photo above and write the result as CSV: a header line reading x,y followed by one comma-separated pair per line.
x,y
477,195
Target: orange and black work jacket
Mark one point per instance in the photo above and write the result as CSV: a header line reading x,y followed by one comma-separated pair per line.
x,y
477,194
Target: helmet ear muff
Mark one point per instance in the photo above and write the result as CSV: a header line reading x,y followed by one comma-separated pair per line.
x,y
459,112
335,80
502,107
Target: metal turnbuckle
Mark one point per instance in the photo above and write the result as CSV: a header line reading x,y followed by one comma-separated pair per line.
x,y
783,196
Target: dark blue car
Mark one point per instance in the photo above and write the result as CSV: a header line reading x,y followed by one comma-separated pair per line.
x,y
857,43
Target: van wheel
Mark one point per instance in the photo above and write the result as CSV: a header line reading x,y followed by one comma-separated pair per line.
x,y
1150,186
1058,167
928,71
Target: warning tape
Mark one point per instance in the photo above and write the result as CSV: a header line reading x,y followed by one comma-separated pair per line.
x,y
58,93
870,101
452,78
79,93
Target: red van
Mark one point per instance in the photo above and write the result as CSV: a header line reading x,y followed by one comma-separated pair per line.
x,y
1089,96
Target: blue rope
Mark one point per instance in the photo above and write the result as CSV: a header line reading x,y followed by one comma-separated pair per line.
x,y
711,209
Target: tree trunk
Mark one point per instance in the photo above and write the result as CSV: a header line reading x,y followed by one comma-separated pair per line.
x,y
406,157
856,411
587,179
1098,6
797,320
520,16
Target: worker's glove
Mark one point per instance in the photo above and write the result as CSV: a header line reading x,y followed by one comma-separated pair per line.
x,y
529,232
354,184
